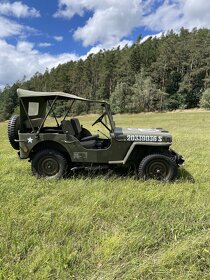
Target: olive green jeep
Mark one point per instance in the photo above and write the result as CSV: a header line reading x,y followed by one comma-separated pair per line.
x,y
57,151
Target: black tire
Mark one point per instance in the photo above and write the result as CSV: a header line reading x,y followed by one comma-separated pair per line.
x,y
49,163
13,127
159,167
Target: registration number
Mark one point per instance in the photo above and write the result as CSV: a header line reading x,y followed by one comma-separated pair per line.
x,y
144,138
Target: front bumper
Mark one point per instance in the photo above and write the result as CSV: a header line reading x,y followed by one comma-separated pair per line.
x,y
179,158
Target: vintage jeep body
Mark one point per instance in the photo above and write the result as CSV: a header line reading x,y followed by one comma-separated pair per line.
x,y
55,151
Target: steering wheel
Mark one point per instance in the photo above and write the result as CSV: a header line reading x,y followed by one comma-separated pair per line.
x,y
99,119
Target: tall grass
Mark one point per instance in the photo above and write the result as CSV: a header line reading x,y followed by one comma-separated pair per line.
x,y
110,227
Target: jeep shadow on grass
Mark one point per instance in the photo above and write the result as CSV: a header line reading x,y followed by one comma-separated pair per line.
x,y
55,151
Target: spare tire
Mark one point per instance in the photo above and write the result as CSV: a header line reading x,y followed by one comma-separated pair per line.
x,y
13,127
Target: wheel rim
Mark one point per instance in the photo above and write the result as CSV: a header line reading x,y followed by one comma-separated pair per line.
x,y
158,170
48,166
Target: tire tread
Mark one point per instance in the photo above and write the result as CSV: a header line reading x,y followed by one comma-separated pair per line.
x,y
171,159
60,157
13,127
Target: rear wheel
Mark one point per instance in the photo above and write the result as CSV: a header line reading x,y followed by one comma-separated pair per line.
x,y
49,163
159,167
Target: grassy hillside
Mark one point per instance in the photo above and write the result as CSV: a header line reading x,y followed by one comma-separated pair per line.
x,y
110,227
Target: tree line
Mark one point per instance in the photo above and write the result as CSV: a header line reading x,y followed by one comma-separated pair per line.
x,y
165,73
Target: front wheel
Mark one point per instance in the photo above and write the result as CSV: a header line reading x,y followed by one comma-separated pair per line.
x,y
49,163
159,167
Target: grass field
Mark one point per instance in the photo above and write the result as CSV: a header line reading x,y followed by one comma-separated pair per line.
x,y
110,227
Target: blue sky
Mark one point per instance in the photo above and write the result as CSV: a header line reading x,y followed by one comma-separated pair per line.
x,y
48,27
35,35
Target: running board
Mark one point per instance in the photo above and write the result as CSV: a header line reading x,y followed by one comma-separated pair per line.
x,y
90,168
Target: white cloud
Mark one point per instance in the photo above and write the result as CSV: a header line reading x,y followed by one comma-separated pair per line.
x,y
113,20
196,13
2,87
24,60
68,9
98,48
158,35
9,28
58,38
12,28
18,9
44,45
178,13
106,26
167,16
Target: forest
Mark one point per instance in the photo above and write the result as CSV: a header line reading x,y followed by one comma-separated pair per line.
x,y
160,74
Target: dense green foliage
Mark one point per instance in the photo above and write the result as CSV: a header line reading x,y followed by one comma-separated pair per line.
x,y
205,99
159,74
107,226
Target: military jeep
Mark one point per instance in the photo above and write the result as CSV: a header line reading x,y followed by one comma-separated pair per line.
x,y
57,151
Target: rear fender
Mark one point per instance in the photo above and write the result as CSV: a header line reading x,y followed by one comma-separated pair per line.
x,y
49,145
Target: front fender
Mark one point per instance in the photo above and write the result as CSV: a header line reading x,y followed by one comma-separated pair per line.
x,y
149,144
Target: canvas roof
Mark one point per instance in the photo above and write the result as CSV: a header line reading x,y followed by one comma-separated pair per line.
x,y
22,93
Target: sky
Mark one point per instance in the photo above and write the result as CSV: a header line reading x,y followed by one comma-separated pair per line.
x,y
40,34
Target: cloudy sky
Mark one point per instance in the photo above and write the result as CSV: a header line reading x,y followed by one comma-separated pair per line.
x,y
36,34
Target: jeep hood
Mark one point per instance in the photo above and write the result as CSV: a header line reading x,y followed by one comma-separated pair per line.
x,y
142,135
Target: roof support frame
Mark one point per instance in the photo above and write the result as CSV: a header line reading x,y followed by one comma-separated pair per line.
x,y
38,131
33,130
69,110
54,114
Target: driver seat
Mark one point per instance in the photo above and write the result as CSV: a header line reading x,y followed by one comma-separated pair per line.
x,y
86,141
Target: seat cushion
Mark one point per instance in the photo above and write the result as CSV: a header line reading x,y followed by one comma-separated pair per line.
x,y
88,144
91,137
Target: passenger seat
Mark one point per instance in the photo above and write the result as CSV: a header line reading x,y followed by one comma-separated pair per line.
x,y
74,128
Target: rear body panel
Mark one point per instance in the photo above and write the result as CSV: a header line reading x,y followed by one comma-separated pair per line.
x,y
78,153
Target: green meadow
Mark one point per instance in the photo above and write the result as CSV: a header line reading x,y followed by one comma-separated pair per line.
x,y
110,226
